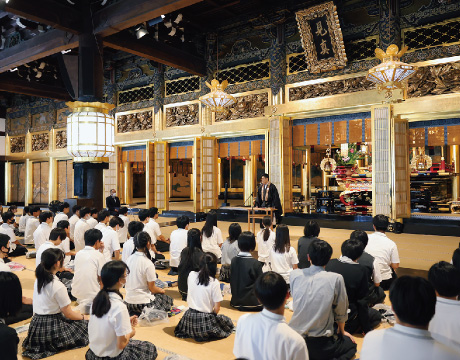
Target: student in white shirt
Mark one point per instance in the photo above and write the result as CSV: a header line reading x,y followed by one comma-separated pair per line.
x,y
64,209
212,236
103,217
267,335
265,241
55,326
31,225
110,239
16,249
43,231
383,250
144,217
413,300
88,265
57,236
134,227
445,325
178,243
23,220
73,220
229,249
4,250
80,228
110,328
65,244
141,290
123,232
161,243
283,257
92,221
202,321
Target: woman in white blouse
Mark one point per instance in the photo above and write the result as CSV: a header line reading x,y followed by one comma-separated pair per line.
x,y
283,257
110,328
212,236
55,326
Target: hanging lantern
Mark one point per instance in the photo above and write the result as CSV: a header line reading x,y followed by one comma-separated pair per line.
x,y
328,164
90,131
217,100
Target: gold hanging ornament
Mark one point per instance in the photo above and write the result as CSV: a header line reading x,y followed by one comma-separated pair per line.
x,y
328,164
217,100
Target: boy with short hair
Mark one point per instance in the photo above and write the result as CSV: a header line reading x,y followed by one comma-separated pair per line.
x,y
64,209
16,249
178,242
73,220
110,239
43,231
32,225
80,228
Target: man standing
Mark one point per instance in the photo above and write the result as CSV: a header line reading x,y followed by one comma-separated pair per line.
x,y
267,196
112,202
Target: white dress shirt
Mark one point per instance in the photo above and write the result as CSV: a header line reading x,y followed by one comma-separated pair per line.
x,y
445,325
178,243
101,227
267,336
111,243
203,298
152,224
41,235
282,262
92,222
148,230
88,264
23,222
79,235
264,247
123,232
384,251
211,244
59,216
72,221
31,226
45,246
5,229
404,343
51,299
128,249
141,272
3,266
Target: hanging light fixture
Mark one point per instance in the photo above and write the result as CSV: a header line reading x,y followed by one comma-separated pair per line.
x,y
328,164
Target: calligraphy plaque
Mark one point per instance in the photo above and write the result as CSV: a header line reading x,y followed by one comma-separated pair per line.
x,y
322,38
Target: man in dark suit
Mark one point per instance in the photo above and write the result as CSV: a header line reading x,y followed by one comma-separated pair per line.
x,y
267,196
112,202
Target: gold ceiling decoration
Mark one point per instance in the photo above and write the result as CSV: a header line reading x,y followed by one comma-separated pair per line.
x,y
217,100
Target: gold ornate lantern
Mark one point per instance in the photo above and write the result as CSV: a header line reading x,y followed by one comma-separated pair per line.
x,y
217,100
90,131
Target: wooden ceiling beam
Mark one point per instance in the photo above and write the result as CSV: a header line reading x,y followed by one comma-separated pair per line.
x,y
18,86
158,52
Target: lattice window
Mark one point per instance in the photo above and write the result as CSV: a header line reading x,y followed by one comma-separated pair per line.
x,y
136,95
182,85
432,35
244,73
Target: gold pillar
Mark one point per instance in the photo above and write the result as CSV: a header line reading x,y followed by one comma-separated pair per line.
x,y
52,180
455,158
28,195
149,171
306,175
7,182
248,180
128,183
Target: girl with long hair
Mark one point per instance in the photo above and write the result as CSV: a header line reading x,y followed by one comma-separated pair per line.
x,y
141,290
201,321
229,250
283,258
265,240
110,328
189,260
212,236
55,326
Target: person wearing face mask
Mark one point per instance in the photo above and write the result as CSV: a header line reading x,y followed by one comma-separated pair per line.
x,y
16,249
112,202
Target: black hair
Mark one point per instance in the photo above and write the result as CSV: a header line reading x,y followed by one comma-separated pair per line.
x,y
208,268
102,215
211,221
10,294
111,273
143,214
116,221
456,258
271,290
234,232
182,221
93,211
311,229
320,252
63,224
134,227
26,210
4,240
445,278
193,242
84,211
34,209
123,210
282,240
92,236
247,241
352,249
45,215
76,208
57,233
141,239
380,222
153,211
12,207
7,216
413,300
265,175
43,271
63,206
267,222
360,235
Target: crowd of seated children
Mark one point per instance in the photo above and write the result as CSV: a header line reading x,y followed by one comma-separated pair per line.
x,y
15,249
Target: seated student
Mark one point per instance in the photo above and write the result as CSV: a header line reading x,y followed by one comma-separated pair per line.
x,y
201,321
92,221
66,244
103,218
141,290
283,258
16,249
245,270
310,233
160,242
110,328
14,226
189,260
64,209
110,239
123,232
23,221
383,250
88,265
445,325
73,220
178,243
57,236
319,299
456,258
10,305
229,251
266,335
134,227
32,225
144,217
265,241
80,229
376,294
212,236
55,326
361,318
44,229
413,300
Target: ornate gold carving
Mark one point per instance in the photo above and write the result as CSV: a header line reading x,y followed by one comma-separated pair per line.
x,y
61,139
17,144
182,115
246,107
134,122
40,141
330,88
435,80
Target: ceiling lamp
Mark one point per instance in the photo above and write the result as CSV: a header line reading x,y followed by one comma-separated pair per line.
x,y
90,131
217,100
328,164
392,73
141,31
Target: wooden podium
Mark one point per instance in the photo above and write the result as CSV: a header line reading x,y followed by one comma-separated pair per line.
x,y
268,211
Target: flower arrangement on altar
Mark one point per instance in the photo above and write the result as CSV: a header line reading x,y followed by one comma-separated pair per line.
x,y
348,158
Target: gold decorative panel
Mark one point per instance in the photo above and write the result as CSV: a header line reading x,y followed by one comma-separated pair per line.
x,y
246,107
40,176
453,135
18,183
355,131
182,115
40,141
340,132
136,121
61,139
417,137
436,136
65,179
61,116
17,144
435,80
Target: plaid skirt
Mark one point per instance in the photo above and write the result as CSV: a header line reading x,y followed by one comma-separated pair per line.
x,y
161,302
203,326
225,273
135,349
50,334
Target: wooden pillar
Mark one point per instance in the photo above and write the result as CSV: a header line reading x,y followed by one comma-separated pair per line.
x,y
161,156
52,180
205,191
128,183
150,175
248,180
28,197
7,182
306,175
455,158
